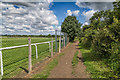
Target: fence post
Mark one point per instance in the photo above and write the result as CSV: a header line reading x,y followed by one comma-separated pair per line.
x,y
52,48
1,63
36,52
30,63
64,41
59,44
49,47
56,40
68,39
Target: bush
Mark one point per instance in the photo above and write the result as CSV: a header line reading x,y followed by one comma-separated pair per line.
x,y
103,37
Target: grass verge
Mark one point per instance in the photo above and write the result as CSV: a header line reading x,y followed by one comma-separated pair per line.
x,y
75,62
46,72
94,65
75,59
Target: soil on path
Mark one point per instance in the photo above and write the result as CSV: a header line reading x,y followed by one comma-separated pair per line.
x,y
64,68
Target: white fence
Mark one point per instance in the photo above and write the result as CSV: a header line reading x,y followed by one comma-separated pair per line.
x,y
35,44
65,39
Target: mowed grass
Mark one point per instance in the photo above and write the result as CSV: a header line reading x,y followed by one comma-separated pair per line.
x,y
16,60
94,65
11,41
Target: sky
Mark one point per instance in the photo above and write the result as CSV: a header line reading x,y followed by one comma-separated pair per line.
x,y
35,18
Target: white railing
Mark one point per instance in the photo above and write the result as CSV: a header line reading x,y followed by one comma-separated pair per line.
x,y
35,44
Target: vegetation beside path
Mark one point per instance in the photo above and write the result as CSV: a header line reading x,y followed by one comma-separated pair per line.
x,y
75,61
94,65
46,72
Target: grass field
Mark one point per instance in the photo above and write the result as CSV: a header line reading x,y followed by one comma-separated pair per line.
x,y
15,60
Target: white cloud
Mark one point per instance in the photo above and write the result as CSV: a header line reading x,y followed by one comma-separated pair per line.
x,y
70,13
58,28
88,15
85,23
96,0
29,18
97,6
4,6
76,12
94,5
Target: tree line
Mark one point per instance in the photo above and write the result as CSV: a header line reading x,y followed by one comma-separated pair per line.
x,y
49,35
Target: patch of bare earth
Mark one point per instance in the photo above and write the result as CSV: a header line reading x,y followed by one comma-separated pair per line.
x,y
37,68
80,69
64,68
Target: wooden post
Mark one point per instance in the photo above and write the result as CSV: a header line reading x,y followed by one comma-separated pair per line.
x,y
36,52
52,48
49,47
64,41
1,63
56,40
30,62
59,44
68,39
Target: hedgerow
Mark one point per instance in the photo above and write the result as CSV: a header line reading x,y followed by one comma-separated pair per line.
x,y
102,35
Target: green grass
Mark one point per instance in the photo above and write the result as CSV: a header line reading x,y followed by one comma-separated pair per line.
x,y
46,72
75,59
14,60
95,65
75,62
8,41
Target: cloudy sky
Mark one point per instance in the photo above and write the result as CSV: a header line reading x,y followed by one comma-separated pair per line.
x,y
35,18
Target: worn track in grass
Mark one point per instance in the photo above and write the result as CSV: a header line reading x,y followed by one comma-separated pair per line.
x,y
64,68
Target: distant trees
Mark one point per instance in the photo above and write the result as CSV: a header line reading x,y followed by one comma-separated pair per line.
x,y
49,35
71,26
103,37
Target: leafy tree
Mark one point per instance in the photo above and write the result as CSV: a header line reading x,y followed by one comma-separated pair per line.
x,y
71,26
103,37
49,35
117,9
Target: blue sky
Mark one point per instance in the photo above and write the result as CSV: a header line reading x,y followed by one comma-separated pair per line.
x,y
60,10
27,18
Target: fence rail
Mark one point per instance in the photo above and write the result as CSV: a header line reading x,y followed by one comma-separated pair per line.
x,y
21,46
50,43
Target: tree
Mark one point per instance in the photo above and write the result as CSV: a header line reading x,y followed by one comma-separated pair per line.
x,y
117,9
102,36
71,26
49,35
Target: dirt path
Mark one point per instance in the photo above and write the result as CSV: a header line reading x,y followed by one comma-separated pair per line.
x,y
64,68
80,69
